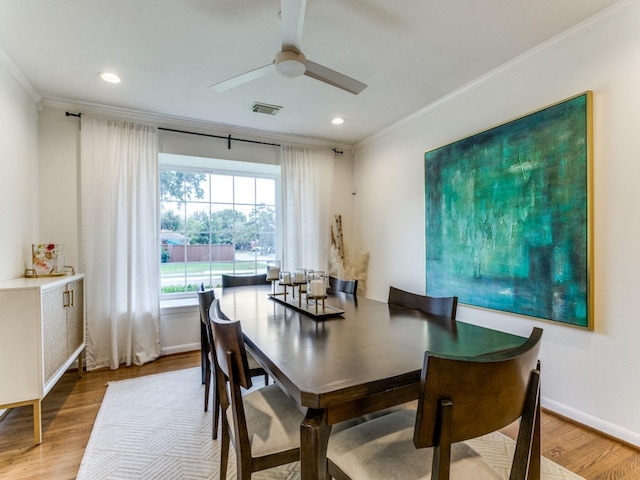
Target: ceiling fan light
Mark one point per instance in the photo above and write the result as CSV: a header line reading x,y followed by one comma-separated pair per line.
x,y
290,64
290,68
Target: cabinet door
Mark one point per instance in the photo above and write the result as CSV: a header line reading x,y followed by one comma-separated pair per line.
x,y
20,347
54,331
74,304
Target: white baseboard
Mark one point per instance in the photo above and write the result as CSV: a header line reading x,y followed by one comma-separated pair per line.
x,y
609,429
189,347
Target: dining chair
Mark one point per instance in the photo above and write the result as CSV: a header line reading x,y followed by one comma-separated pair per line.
x,y
439,306
460,399
346,286
262,424
206,300
243,280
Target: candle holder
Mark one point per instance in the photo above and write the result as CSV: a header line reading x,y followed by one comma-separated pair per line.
x,y
286,281
273,273
299,280
317,288
304,286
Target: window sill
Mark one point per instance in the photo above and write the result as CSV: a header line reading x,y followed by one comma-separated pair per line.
x,y
178,305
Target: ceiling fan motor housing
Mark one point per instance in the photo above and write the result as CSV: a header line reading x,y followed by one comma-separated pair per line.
x,y
290,64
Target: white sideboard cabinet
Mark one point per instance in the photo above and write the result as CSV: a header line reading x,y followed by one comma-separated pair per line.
x,y
42,325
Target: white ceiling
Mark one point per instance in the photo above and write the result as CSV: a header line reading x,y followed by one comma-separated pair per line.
x,y
168,53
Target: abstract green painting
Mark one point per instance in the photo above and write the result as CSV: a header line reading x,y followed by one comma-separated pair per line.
x,y
508,216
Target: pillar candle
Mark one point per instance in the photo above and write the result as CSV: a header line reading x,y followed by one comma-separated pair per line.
x,y
273,273
317,288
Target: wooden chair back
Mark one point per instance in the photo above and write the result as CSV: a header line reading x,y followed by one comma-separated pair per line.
x,y
229,347
346,286
243,280
438,306
464,398
205,298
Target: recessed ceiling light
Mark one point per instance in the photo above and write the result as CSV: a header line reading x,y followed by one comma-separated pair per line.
x,y
109,77
337,121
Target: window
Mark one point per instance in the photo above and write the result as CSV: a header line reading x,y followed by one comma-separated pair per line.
x,y
216,216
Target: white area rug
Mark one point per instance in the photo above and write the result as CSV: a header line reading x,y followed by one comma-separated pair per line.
x,y
154,427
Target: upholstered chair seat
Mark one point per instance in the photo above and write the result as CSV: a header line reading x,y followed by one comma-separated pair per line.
x,y
272,424
364,451
254,365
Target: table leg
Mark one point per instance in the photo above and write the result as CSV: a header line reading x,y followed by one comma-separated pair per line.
x,y
314,438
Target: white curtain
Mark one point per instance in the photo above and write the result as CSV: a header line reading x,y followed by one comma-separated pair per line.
x,y
307,187
119,202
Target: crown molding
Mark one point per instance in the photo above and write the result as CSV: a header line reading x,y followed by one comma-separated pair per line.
x,y
17,74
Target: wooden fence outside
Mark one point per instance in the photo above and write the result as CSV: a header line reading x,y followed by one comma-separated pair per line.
x,y
199,253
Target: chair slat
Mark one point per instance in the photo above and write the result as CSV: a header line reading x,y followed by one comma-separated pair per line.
x,y
243,280
346,286
439,306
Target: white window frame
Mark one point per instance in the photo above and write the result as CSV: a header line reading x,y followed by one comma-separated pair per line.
x,y
218,166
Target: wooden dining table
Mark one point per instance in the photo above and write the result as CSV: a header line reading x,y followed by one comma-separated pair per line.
x,y
342,367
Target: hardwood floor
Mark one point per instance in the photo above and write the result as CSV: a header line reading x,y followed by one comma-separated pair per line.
x,y
70,409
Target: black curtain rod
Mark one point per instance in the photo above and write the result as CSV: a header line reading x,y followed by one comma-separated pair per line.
x,y
228,138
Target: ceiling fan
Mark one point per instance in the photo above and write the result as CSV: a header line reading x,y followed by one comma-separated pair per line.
x,y
290,61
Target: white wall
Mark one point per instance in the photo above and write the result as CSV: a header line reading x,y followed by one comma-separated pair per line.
x,y
591,377
59,217
18,175
343,198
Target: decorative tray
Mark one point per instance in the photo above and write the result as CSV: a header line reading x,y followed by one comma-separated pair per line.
x,y
31,273
308,307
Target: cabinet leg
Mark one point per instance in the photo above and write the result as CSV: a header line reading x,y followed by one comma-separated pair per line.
x,y
81,364
37,422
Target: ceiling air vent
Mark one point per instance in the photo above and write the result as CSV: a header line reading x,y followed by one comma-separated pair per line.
x,y
265,108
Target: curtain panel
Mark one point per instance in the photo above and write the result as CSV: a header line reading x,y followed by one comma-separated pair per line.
x,y
307,191
119,203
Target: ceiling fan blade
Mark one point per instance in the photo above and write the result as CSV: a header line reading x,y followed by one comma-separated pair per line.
x,y
334,78
243,78
292,21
